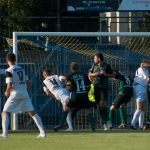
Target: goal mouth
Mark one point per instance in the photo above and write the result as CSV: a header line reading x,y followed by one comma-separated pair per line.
x,y
122,50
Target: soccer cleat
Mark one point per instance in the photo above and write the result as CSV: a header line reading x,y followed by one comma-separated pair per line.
x,y
122,126
109,124
41,135
132,127
3,136
105,127
57,128
69,129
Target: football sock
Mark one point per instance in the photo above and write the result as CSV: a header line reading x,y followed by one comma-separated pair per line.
x,y
135,117
69,121
38,122
111,115
122,115
91,121
141,119
5,122
104,114
63,118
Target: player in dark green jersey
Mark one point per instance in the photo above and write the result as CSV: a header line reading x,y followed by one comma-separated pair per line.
x,y
99,74
124,95
79,93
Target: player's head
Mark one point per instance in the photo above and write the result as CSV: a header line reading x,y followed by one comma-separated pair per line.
x,y
10,58
98,57
143,62
47,72
74,67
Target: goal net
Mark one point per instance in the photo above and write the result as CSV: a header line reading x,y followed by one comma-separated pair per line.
x,y
123,51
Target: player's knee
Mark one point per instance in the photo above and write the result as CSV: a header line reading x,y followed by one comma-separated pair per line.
x,y
32,113
4,113
66,108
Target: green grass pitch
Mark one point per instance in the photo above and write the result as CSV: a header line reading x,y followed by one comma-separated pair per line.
x,y
78,140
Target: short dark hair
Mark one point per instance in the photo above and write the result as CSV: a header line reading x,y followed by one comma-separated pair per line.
x,y
74,66
48,70
100,55
11,57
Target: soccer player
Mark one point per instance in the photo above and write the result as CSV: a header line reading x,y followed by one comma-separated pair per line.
x,y
124,95
18,97
53,87
140,93
2,72
99,74
79,88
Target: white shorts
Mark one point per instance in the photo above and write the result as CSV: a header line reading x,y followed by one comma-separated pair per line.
x,y
140,93
13,105
64,99
63,96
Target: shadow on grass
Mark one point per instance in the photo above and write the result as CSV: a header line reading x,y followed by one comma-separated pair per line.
x,y
85,131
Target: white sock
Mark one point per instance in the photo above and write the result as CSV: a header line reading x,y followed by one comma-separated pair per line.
x,y
69,121
5,122
39,123
135,117
141,119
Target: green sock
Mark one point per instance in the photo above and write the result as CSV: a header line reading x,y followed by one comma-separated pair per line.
x,y
111,115
122,114
104,114
63,118
91,121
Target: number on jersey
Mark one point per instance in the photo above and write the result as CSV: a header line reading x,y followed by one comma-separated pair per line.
x,y
20,75
54,82
80,85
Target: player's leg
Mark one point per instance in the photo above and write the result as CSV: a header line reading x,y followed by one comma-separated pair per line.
x,y
38,123
104,112
65,100
139,93
11,105
101,105
115,105
136,115
142,116
28,107
122,116
69,122
91,119
5,123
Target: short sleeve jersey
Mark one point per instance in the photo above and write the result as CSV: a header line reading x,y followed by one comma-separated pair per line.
x,y
80,82
101,80
16,75
124,83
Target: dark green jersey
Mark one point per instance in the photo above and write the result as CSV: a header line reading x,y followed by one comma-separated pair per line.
x,y
124,84
101,80
80,82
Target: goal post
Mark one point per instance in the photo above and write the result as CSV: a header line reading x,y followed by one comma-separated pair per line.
x,y
123,50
